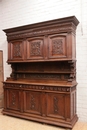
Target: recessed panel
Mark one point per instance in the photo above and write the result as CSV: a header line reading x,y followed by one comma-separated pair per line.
x,y
35,48
17,50
56,105
32,102
57,46
13,99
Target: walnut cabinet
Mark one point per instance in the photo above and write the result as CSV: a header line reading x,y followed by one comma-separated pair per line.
x,y
42,85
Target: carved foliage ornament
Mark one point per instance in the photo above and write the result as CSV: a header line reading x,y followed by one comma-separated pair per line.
x,y
13,100
57,46
17,50
35,49
55,100
36,33
32,101
39,87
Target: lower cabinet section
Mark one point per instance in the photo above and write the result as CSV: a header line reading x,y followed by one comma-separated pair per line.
x,y
43,105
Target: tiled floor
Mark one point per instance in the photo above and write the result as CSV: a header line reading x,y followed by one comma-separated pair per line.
x,y
11,123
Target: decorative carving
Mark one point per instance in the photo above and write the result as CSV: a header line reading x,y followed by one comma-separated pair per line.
x,y
72,77
35,49
17,50
36,33
13,74
40,76
39,87
73,88
13,101
57,46
55,101
32,101
72,65
66,77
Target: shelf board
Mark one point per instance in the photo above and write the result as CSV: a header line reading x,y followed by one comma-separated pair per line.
x,y
48,72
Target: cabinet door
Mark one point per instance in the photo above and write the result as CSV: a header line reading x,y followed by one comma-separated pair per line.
x,y
57,46
56,105
35,48
16,50
13,99
32,102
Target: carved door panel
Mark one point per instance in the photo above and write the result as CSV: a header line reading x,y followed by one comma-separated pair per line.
x,y
32,102
13,99
56,105
16,50
35,48
57,46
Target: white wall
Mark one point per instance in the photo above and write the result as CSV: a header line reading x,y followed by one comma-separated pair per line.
x,y
15,13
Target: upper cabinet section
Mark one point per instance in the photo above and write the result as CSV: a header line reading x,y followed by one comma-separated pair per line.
x,y
51,40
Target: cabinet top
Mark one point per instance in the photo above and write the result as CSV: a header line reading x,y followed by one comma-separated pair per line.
x,y
71,19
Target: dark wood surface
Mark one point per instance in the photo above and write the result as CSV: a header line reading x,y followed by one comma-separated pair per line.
x,y
1,79
42,85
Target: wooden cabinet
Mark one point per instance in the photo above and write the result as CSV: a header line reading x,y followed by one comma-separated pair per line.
x,y
42,85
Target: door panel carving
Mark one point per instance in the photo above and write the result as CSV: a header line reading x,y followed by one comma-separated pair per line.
x,y
57,46
17,50
56,105
32,102
35,48
13,99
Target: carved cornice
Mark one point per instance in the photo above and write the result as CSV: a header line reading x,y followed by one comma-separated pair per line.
x,y
67,24
38,32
